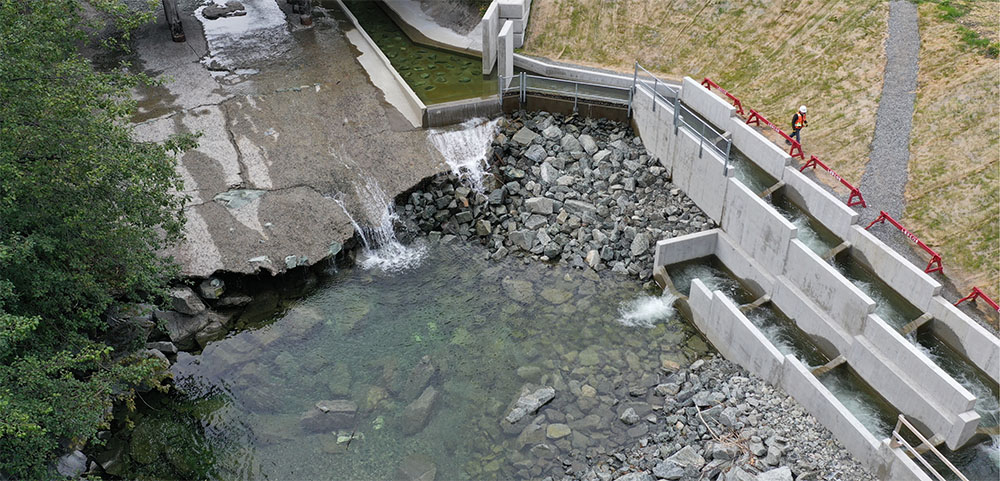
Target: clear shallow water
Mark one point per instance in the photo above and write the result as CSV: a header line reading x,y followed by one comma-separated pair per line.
x,y
487,328
715,277
435,75
749,174
871,411
785,336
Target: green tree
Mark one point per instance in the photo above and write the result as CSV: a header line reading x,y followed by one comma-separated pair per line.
x,y
83,210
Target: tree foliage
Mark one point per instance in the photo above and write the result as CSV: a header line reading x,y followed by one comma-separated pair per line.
x,y
83,210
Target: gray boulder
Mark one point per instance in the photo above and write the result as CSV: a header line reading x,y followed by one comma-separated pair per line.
x,y
72,465
640,476
687,457
581,209
525,136
640,244
783,473
539,205
552,132
182,328
629,416
588,144
417,413
536,153
211,288
185,301
327,416
529,403
570,144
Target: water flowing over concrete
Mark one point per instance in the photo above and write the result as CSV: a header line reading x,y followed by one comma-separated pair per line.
x,y
378,234
466,149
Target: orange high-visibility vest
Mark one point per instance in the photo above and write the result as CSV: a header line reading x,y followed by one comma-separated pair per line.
x,y
799,120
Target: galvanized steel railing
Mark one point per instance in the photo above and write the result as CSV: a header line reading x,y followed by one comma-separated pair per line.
x,y
897,440
524,83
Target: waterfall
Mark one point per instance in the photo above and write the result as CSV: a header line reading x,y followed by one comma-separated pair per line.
x,y
465,149
381,249
646,311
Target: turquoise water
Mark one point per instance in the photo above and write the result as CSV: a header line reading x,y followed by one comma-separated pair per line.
x,y
486,327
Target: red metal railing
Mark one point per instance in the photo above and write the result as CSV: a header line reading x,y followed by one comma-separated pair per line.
x,y
976,293
935,263
855,193
756,118
709,84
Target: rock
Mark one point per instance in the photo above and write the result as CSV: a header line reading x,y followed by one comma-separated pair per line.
x,y
519,290
167,348
72,465
483,228
588,144
783,473
570,144
668,470
581,209
231,9
327,416
629,416
536,153
601,156
418,380
593,258
497,196
556,296
557,430
416,468
417,413
640,476
667,389
687,457
721,451
529,403
566,180
548,173
185,301
535,221
212,331
525,136
529,373
523,239
738,474
234,300
552,132
640,244
211,288
773,456
181,328
539,205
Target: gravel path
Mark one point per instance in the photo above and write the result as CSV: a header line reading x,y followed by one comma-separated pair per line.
x,y
884,180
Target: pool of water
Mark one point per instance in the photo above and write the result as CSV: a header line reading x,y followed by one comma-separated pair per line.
x,y
873,412
474,331
435,75
890,306
809,230
786,336
749,173
715,276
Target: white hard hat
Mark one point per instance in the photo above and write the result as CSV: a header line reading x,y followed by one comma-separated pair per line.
x,y
802,109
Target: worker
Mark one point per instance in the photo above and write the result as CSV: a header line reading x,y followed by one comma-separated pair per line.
x,y
798,121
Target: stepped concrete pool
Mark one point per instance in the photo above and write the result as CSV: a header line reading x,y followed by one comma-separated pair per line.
x,y
458,333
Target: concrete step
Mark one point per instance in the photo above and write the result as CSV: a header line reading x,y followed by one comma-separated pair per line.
x,y
819,371
916,323
830,254
755,304
770,190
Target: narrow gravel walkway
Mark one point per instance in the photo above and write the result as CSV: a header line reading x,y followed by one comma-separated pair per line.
x,y
884,180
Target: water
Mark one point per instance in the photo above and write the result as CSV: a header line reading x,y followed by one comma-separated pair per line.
x,y
890,306
749,174
871,411
710,272
378,234
465,149
809,231
647,311
487,327
786,336
981,460
434,74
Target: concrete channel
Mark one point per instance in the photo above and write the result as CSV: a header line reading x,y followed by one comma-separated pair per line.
x,y
759,246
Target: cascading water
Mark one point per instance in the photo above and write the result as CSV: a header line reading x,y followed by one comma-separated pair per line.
x,y
465,149
382,250
713,278
787,338
804,230
646,311
847,388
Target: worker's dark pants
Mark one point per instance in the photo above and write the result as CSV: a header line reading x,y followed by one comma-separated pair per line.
x,y
795,135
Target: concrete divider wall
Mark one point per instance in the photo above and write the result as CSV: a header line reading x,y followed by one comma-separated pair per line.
x,y
565,72
708,105
844,302
900,390
743,266
757,227
700,302
900,274
899,466
761,151
685,248
505,51
491,28
697,170
966,336
655,127
937,385
437,115
820,204
825,332
740,341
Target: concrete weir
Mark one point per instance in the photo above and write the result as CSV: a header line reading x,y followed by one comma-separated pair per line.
x,y
760,247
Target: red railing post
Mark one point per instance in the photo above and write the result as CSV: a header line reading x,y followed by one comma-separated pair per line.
x,y
709,84
977,293
935,263
851,201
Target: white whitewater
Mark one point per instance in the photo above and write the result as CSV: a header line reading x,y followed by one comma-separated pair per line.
x,y
646,311
465,149
382,250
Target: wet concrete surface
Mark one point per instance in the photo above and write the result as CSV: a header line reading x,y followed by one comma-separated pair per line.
x,y
288,122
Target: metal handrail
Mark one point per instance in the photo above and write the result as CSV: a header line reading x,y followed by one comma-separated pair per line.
x,y
523,86
609,87
897,440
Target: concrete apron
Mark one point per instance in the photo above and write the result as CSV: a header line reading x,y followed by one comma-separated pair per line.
x,y
760,246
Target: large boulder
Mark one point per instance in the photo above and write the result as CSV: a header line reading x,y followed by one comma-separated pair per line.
x,y
530,402
72,465
539,205
185,301
418,380
570,144
182,328
416,468
327,416
525,136
417,413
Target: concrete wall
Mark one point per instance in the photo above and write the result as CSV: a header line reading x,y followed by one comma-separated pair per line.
x,y
900,274
655,126
821,205
450,113
751,272
684,248
966,336
698,171
714,109
757,227
761,151
819,281
810,318
566,72
505,51
491,28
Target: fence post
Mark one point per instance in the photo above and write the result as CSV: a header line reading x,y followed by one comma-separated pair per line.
x,y
729,145
576,94
656,89
677,112
500,91
631,91
523,99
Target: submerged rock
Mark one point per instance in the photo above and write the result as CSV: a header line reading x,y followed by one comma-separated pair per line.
x,y
329,416
417,413
529,403
416,467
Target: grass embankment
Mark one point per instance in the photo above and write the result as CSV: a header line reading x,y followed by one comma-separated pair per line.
x,y
827,54
953,194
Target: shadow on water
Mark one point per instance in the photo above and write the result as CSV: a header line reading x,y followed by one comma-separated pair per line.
x,y
472,330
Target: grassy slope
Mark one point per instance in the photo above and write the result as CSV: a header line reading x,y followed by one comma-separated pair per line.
x,y
828,55
953,197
